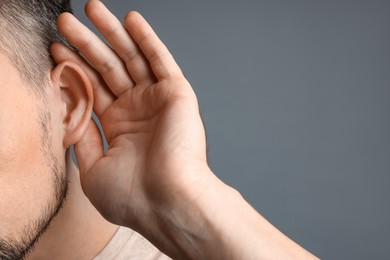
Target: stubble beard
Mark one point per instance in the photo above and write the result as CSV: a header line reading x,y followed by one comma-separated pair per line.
x,y
12,248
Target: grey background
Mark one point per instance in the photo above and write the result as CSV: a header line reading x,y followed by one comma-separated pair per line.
x,y
295,96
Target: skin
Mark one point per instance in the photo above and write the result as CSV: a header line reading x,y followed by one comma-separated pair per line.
x,y
35,171
78,231
154,178
23,158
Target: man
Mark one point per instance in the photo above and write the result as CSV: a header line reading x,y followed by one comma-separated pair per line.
x,y
154,178
45,109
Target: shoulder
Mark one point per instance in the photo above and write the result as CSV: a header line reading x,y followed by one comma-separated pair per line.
x,y
128,244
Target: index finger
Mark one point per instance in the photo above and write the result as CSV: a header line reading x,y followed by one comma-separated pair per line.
x,y
97,53
102,95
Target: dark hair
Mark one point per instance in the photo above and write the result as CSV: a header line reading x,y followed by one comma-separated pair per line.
x,y
27,29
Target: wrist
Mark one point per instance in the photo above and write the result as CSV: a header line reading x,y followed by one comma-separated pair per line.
x,y
194,222
211,220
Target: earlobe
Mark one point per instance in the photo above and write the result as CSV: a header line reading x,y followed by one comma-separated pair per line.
x,y
77,99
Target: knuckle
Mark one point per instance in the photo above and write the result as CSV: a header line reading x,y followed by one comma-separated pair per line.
x,y
112,31
158,55
96,85
178,76
130,55
85,44
144,38
106,67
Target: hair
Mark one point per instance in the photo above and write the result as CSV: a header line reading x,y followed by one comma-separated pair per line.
x,y
27,29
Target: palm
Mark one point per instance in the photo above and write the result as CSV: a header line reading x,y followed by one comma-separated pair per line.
x,y
148,128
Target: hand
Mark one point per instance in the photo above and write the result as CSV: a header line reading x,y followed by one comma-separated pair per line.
x,y
154,177
149,114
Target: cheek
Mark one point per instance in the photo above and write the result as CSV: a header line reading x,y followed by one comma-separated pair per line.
x,y
25,179
20,142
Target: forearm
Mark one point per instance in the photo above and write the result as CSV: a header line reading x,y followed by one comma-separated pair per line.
x,y
217,223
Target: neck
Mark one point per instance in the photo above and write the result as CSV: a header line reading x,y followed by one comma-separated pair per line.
x,y
78,231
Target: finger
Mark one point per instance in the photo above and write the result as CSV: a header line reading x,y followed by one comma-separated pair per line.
x,y
97,53
157,54
120,40
102,95
89,149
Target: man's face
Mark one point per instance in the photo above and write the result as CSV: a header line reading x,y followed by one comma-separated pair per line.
x,y
32,178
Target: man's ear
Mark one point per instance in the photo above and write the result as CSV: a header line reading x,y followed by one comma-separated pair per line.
x,y
76,99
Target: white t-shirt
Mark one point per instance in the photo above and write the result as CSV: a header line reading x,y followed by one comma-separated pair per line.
x,y
128,244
